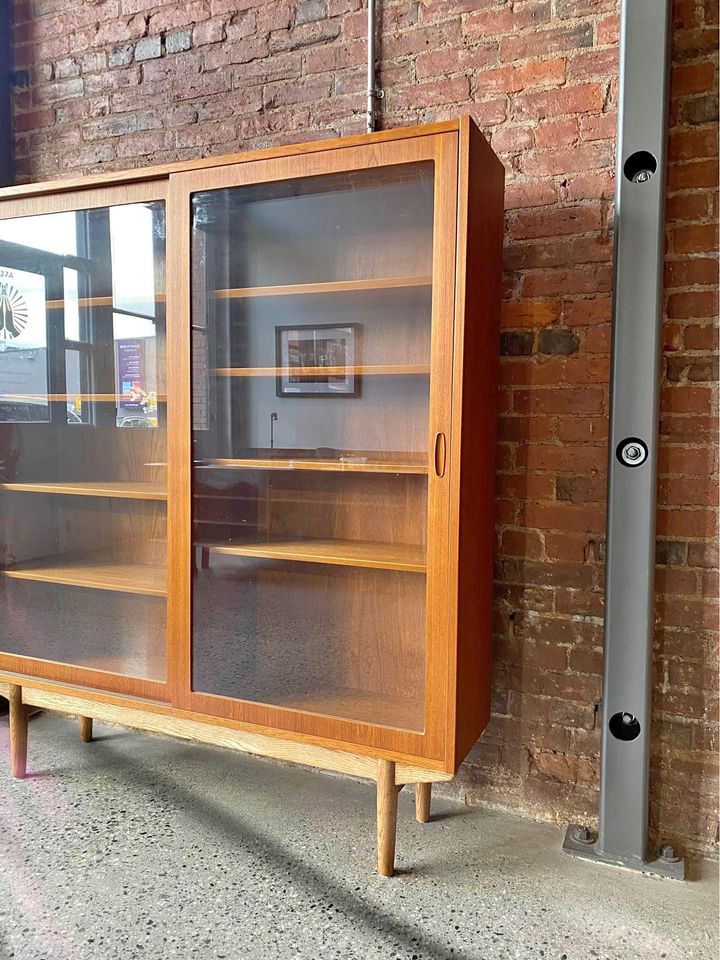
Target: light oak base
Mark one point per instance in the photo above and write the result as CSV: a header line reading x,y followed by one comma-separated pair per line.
x,y
423,792
387,794
389,775
18,732
86,729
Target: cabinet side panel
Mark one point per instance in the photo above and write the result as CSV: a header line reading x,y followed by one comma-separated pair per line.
x,y
481,204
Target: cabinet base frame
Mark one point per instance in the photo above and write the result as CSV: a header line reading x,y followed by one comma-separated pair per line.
x,y
390,776
18,731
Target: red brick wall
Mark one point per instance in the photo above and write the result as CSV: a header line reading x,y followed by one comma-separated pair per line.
x,y
119,83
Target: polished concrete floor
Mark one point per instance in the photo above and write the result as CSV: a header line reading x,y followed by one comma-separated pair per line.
x,y
136,846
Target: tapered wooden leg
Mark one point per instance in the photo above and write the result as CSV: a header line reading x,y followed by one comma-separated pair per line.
x,y
18,732
387,795
422,802
86,729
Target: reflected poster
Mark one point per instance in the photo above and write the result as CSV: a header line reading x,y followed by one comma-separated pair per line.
x,y
23,346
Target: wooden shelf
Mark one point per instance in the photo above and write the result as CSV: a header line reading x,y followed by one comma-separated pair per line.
x,y
386,369
333,286
344,553
280,290
120,489
93,302
201,522
359,705
339,466
95,572
65,397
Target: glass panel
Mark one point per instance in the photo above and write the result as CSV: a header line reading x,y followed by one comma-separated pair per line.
x,y
311,362
82,503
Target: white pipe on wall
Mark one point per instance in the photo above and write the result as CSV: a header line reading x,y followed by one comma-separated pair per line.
x,y
371,91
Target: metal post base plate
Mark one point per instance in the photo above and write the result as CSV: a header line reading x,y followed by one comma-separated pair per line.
x,y
674,869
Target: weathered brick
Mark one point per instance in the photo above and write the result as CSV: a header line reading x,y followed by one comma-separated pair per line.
x,y
176,15
580,489
67,67
527,313
211,31
583,98
694,238
701,173
450,60
452,90
598,185
553,340
240,26
121,55
698,337
703,555
305,35
308,10
555,222
34,119
690,78
557,133
149,48
693,304
585,278
542,42
237,51
284,92
587,156
514,78
506,20
58,90
517,343
409,42
531,193
178,41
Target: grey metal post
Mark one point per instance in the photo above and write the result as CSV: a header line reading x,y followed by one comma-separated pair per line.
x,y
632,456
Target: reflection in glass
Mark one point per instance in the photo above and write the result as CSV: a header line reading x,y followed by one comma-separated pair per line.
x,y
82,503
132,239
71,306
311,313
51,232
77,380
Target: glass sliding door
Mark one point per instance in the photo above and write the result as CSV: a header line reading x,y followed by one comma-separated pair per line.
x,y
312,306
83,439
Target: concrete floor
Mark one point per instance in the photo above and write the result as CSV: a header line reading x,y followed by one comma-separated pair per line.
x,y
141,847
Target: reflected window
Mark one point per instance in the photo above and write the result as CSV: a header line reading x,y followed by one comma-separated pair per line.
x,y
73,318
78,315
51,232
77,378
133,233
133,274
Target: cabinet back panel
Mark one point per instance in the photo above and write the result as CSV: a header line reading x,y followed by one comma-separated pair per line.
x,y
96,629
327,640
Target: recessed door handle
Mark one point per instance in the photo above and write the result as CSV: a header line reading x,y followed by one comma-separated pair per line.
x,y
440,454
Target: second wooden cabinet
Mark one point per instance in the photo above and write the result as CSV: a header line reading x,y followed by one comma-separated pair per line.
x,y
247,410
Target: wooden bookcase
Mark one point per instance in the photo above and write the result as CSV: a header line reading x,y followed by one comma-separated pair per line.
x,y
247,430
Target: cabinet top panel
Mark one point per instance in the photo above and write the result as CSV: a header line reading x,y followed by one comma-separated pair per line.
x,y
166,170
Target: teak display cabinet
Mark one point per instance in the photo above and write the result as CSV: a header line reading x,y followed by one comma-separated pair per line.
x,y
247,429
